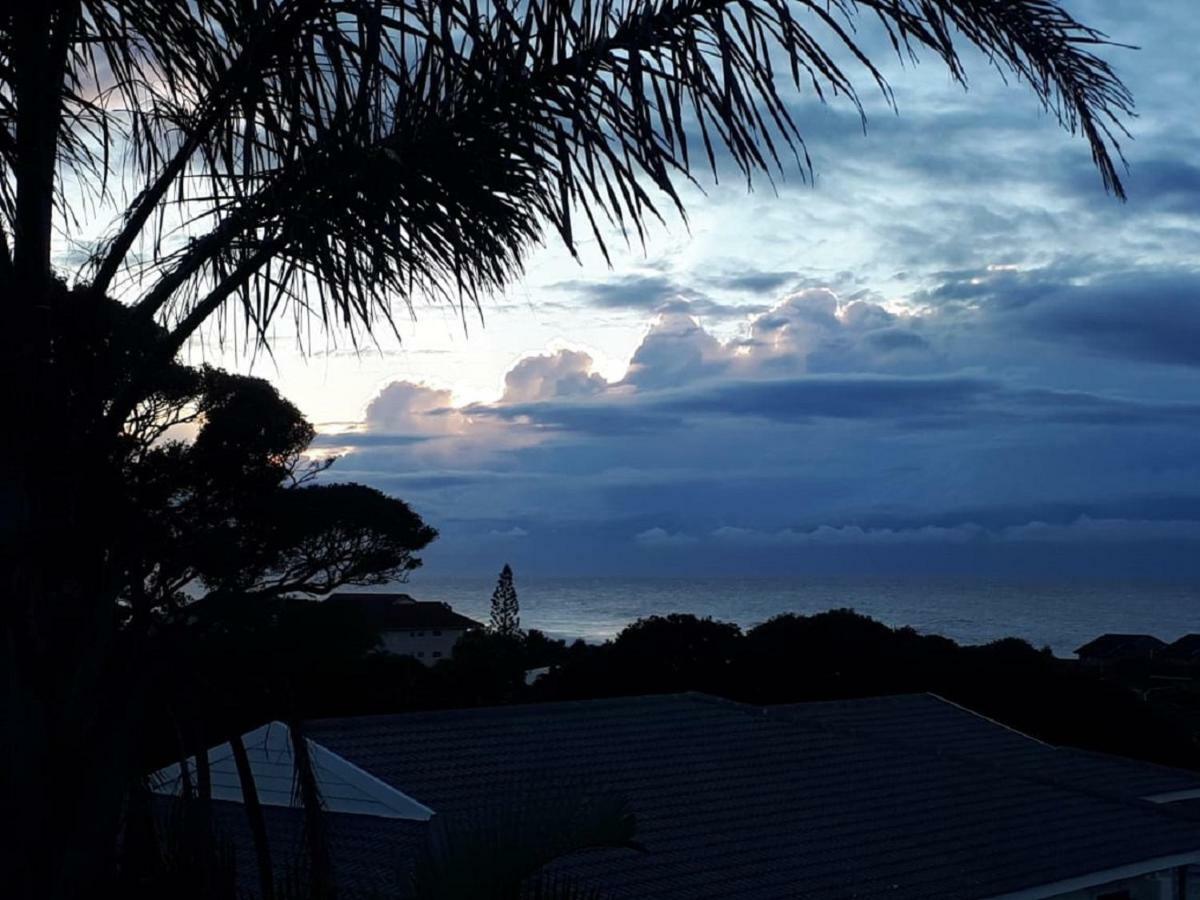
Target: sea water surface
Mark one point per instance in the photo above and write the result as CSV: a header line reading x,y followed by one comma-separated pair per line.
x,y
969,610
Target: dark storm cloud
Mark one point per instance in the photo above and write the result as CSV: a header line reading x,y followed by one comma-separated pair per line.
x,y
644,292
659,293
1146,315
753,282
858,397
597,418
366,439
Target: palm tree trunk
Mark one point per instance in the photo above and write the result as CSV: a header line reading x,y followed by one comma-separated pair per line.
x,y
254,817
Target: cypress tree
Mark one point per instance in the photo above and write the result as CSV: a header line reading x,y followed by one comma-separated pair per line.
x,y
506,612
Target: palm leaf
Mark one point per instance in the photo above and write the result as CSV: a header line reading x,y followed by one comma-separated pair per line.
x,y
329,156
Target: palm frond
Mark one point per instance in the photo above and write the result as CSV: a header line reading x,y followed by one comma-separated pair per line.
x,y
330,156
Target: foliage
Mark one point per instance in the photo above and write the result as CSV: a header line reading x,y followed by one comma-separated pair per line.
x,y
506,610
236,511
840,654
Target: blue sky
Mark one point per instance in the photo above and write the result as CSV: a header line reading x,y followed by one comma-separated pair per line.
x,y
951,352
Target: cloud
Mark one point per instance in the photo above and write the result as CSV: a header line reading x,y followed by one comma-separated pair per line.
x,y
639,292
509,533
1081,530
852,534
836,397
1089,530
660,537
751,281
675,351
1150,317
566,373
1139,314
404,408
844,431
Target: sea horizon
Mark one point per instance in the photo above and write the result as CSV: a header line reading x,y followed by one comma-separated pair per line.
x,y
1061,614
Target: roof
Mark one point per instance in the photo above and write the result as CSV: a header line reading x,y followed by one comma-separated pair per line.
x,y
396,612
1121,646
903,797
934,725
343,786
1186,648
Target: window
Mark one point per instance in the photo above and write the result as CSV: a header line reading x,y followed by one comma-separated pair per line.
x,y
421,654
437,632
420,634
437,653
1116,895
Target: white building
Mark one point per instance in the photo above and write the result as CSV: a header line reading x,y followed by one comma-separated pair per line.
x,y
426,630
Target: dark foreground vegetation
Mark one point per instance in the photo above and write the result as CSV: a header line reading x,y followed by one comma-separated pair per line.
x,y
294,668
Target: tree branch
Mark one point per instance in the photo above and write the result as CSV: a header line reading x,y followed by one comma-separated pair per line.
x,y
164,352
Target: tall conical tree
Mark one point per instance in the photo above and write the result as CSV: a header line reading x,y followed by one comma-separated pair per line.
x,y
506,611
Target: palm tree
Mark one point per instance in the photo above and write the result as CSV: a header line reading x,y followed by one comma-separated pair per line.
x,y
323,159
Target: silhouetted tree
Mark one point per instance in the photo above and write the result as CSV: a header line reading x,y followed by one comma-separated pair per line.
x,y
324,158
236,510
506,610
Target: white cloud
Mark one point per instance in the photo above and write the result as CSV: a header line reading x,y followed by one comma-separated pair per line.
x,y
405,408
509,533
675,351
565,373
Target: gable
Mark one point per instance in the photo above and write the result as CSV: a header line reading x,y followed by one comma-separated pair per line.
x,y
344,787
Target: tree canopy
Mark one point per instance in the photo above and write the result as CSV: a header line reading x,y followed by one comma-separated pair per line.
x,y
236,510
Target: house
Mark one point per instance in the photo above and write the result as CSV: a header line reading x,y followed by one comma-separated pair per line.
x,y
908,798
427,630
1113,648
1185,650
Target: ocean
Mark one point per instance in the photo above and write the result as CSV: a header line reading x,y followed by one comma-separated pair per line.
x,y
971,611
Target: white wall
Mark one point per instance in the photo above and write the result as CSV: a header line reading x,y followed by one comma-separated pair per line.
x,y
427,644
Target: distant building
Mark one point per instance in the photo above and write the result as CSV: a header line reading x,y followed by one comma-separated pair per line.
x,y
904,798
427,630
1113,648
1186,649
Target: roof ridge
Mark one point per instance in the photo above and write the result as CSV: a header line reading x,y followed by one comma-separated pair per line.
x,y
992,721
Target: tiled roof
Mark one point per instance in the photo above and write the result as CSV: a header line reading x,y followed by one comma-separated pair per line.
x,y
1121,646
391,612
735,801
936,726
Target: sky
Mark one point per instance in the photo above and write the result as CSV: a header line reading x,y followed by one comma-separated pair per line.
x,y
951,352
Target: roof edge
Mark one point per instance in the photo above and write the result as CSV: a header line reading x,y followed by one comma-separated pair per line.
x,y
1104,876
992,721
274,739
